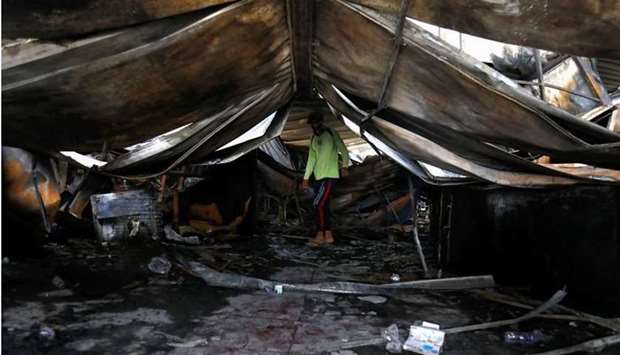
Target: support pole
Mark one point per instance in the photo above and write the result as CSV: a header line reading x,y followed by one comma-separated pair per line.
x,y
162,191
541,77
388,206
555,87
416,237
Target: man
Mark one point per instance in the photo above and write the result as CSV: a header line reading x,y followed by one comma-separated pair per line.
x,y
328,159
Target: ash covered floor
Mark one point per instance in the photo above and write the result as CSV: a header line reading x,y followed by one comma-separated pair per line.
x,y
104,300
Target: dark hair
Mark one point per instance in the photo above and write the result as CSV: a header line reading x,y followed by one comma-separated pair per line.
x,y
315,117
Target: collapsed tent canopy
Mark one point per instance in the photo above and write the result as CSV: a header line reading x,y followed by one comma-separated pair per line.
x,y
204,82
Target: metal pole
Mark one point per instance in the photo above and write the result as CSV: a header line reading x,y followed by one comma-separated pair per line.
x,y
449,227
388,206
42,209
541,78
525,82
416,237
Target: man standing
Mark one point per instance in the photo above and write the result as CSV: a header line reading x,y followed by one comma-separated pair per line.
x,y
328,159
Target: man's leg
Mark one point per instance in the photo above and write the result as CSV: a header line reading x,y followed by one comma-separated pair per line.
x,y
319,213
329,239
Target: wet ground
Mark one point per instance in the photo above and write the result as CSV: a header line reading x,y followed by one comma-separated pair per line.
x,y
104,300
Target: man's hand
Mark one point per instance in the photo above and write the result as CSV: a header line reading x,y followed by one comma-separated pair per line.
x,y
344,172
305,184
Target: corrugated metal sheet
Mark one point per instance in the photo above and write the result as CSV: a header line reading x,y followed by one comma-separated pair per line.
x,y
609,70
298,133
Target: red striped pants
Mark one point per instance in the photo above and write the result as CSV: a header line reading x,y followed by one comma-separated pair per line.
x,y
321,203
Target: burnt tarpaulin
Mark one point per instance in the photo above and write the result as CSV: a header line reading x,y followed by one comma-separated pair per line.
x,y
587,28
146,80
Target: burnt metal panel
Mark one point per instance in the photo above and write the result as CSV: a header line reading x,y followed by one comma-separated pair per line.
x,y
586,28
196,142
437,84
235,152
456,152
64,18
568,75
297,132
300,15
609,70
133,88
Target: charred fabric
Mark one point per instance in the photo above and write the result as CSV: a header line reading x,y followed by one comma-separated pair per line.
x,y
484,140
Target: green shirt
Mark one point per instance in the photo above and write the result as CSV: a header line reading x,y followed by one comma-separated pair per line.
x,y
323,156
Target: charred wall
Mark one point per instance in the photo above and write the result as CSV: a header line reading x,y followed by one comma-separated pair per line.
x,y
546,238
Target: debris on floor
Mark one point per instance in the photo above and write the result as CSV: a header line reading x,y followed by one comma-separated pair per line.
x,y
175,312
159,265
373,299
392,336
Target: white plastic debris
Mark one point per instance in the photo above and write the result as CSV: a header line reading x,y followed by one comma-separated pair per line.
x,y
172,235
134,226
394,343
424,338
395,277
278,289
159,265
46,333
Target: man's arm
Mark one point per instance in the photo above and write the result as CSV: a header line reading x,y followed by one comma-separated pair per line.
x,y
310,164
343,151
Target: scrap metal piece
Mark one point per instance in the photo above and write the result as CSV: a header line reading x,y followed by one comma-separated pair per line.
x,y
571,314
219,279
589,346
118,215
89,184
552,302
